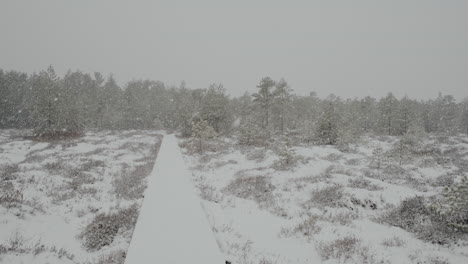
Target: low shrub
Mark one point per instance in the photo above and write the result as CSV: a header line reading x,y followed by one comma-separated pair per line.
x,y
353,162
256,154
208,192
341,217
131,185
12,198
79,178
257,188
364,203
56,166
362,183
90,164
116,257
329,196
444,180
8,171
308,227
454,205
417,216
347,249
393,242
104,227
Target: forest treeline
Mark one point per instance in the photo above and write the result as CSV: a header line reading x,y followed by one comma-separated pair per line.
x,y
55,105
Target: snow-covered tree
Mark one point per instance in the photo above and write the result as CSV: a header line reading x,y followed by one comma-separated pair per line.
x,y
264,98
327,130
464,116
214,108
282,98
201,131
387,114
55,112
251,133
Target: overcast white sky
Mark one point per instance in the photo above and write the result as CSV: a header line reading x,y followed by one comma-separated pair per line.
x,y
350,48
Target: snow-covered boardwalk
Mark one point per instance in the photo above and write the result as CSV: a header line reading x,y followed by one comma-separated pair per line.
x,y
172,226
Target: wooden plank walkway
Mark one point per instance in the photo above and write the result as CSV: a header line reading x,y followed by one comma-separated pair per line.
x,y
172,227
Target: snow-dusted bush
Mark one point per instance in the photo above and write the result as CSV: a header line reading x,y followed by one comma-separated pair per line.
x,y
287,158
208,192
257,188
116,257
344,217
353,162
416,215
330,196
454,205
393,242
256,154
104,227
131,185
201,130
8,171
11,198
55,166
364,203
79,178
347,249
444,180
18,244
308,227
91,164
362,183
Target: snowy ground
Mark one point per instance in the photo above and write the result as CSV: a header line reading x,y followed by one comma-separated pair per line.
x,y
51,192
327,205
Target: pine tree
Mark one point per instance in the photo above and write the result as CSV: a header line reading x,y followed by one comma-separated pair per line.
x,y
250,132
378,159
327,128
464,116
214,108
45,112
264,98
282,97
55,111
388,110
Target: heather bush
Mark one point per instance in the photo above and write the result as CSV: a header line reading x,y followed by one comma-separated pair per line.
x,y
308,227
257,188
8,172
346,250
116,257
330,196
417,216
11,198
131,185
104,227
393,242
362,183
454,205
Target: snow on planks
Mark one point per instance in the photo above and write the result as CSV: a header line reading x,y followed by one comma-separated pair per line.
x,y
172,227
